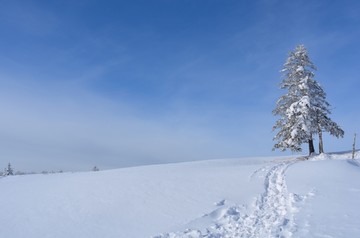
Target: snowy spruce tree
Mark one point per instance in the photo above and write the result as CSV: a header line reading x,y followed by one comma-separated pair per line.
x,y
303,110
8,170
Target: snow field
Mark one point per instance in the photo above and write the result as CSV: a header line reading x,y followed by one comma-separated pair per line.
x,y
249,197
275,212
271,215
130,202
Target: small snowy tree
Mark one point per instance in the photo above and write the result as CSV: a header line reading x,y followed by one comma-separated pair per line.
x,y
303,110
9,170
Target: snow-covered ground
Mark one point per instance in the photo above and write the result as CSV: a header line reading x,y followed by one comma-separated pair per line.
x,y
247,197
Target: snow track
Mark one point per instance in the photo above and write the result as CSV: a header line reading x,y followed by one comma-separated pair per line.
x,y
271,215
273,211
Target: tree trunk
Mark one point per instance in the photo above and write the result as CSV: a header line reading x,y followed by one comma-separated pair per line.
x,y
321,145
311,146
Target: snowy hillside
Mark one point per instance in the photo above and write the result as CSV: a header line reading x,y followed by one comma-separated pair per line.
x,y
248,197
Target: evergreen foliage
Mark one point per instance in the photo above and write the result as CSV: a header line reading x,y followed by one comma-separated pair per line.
x,y
303,110
9,170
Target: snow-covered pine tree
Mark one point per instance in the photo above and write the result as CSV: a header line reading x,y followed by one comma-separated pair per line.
x,y
9,170
295,123
303,110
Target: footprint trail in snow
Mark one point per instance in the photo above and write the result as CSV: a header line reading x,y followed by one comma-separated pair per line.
x,y
272,214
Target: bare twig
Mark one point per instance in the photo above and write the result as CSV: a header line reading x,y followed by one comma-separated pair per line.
x,y
353,152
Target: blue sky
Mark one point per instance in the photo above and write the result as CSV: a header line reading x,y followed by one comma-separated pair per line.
x,y
122,83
